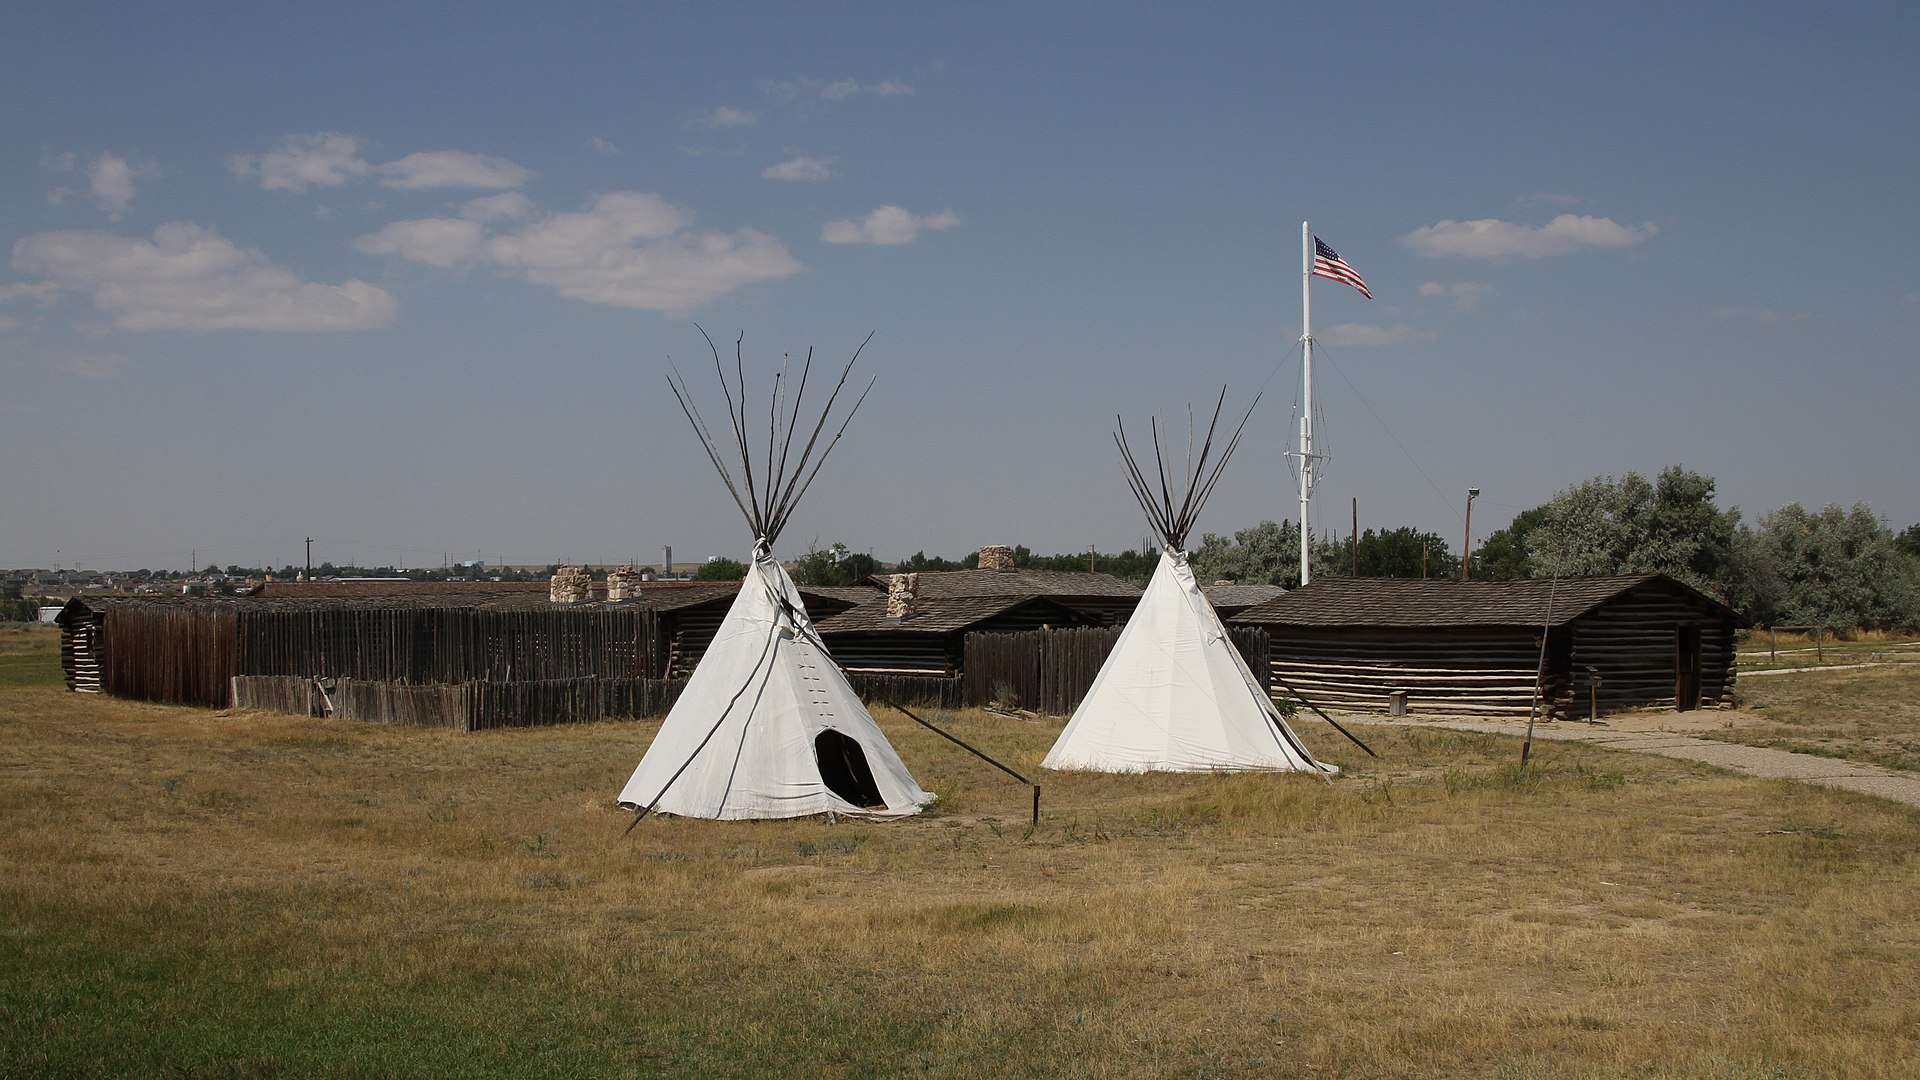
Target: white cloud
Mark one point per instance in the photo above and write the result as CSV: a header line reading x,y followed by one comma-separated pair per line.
x,y
725,116
454,169
1360,334
1757,314
331,159
838,89
112,183
188,277
511,204
328,159
1466,295
626,249
801,167
442,242
40,292
1488,238
887,225
601,146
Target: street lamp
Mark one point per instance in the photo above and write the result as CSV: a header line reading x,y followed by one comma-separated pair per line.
x,y
1466,545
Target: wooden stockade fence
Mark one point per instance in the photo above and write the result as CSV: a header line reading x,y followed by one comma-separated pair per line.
x,y
175,654
470,706
472,668
932,691
1050,670
451,645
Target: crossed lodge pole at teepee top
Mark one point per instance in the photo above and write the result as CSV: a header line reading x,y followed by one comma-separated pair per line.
x,y
769,502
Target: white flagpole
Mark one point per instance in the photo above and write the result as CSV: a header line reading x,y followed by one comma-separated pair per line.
x,y
1306,395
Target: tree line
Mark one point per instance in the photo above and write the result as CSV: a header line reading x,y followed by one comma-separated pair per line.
x,y
1843,569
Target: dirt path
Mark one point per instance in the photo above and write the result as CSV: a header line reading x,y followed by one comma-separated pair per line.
x,y
1666,734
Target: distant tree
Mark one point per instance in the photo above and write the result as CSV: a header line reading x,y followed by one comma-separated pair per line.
x,y
1840,569
720,570
1266,554
1128,565
858,566
1403,553
1909,540
1632,526
920,560
1503,555
821,566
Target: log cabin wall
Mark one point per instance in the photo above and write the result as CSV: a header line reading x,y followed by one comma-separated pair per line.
x,y
1481,671
1460,648
1634,643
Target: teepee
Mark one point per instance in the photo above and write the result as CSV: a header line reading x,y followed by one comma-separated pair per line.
x,y
767,726
1175,695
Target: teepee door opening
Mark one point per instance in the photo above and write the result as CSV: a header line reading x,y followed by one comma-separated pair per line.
x,y
844,769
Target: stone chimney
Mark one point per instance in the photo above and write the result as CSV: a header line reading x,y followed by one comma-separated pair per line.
x,y
570,585
996,557
902,591
623,584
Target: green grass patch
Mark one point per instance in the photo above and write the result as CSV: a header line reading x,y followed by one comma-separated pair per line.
x,y
31,669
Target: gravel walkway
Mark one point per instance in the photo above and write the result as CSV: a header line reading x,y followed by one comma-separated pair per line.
x,y
1751,760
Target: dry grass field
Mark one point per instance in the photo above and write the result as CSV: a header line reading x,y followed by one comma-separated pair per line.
x,y
1869,714
1761,649
199,894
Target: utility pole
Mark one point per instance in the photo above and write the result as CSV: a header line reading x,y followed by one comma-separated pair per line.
x,y
1466,545
1356,536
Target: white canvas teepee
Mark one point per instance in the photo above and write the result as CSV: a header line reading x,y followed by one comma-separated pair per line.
x,y
768,727
1175,695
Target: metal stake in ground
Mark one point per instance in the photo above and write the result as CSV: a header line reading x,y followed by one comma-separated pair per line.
x,y
1298,696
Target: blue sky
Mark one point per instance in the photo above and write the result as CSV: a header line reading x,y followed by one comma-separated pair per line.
x,y
407,281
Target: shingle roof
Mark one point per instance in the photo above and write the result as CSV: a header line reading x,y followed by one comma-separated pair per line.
x,y
1236,597
1406,602
852,594
943,584
938,616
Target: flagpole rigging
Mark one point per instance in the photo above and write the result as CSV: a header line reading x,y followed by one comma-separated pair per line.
x,y
1306,396
1316,260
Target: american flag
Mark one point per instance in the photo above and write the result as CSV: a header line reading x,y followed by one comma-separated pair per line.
x,y
1327,263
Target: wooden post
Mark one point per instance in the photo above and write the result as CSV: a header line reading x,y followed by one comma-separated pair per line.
x,y
1356,536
